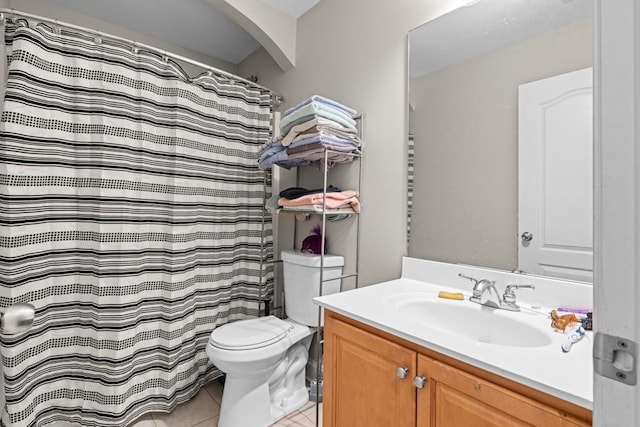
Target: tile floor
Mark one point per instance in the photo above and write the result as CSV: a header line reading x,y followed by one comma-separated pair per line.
x,y
204,408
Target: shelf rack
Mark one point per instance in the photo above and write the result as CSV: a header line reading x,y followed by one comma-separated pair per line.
x,y
324,213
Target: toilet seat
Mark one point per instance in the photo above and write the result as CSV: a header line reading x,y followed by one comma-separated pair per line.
x,y
250,334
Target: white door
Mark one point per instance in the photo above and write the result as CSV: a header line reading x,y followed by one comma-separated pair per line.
x,y
555,176
617,205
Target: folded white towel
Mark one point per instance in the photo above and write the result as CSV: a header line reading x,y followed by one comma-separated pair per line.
x,y
313,123
321,99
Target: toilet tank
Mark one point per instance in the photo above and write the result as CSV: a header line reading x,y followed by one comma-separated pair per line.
x,y
302,283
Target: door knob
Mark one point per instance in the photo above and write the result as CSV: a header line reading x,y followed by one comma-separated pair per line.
x,y
17,318
419,381
526,236
401,372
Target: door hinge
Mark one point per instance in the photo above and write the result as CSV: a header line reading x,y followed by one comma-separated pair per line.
x,y
615,358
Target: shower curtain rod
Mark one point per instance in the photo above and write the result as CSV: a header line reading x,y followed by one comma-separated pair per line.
x,y
4,12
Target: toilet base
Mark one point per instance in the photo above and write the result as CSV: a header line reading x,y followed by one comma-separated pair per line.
x,y
252,401
262,413
299,398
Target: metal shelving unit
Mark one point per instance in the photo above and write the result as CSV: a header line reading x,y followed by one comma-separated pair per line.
x,y
354,157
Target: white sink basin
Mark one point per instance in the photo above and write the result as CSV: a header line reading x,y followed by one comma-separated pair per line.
x,y
471,321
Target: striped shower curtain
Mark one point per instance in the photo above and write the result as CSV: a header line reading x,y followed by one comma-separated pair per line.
x,y
130,217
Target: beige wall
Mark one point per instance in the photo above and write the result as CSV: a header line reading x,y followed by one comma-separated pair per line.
x,y
356,52
465,126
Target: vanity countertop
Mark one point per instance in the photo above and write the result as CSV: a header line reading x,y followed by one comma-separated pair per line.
x,y
568,376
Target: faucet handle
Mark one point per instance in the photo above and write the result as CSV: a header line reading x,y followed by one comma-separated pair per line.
x,y
473,279
509,296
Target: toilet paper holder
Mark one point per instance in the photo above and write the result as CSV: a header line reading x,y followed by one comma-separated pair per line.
x,y
17,318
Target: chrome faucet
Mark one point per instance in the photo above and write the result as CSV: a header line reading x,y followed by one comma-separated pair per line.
x,y
486,293
509,297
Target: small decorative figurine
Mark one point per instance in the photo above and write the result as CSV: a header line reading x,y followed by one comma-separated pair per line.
x,y
560,323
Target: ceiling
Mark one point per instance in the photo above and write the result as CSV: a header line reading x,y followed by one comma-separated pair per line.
x,y
482,26
191,24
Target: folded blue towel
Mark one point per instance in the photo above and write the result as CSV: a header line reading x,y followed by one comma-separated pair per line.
x,y
333,140
317,98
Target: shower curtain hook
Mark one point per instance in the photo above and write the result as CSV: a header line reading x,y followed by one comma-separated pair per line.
x,y
134,48
165,57
210,72
97,38
56,27
12,17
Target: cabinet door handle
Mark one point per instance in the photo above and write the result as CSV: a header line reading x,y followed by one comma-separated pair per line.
x,y
419,381
401,372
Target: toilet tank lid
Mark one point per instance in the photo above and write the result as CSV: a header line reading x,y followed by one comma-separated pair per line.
x,y
250,333
311,260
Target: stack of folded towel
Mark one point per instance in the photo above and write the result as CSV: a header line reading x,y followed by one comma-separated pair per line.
x,y
339,203
308,130
312,200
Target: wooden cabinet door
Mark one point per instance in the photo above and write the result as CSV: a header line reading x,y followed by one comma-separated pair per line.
x,y
361,386
455,398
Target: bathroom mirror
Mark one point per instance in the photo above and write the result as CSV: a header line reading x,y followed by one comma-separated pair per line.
x,y
469,70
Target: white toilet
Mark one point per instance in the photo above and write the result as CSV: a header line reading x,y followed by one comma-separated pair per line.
x,y
265,358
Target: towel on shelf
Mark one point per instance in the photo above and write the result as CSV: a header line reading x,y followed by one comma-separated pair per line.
x,y
315,153
271,154
342,199
272,149
314,124
321,99
271,204
312,110
328,143
324,131
271,141
308,151
281,158
295,192
302,213
308,157
313,148
337,213
316,127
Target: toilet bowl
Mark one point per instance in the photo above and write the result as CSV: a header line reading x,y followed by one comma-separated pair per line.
x,y
264,359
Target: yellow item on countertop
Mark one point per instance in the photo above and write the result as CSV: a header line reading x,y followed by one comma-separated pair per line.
x,y
450,295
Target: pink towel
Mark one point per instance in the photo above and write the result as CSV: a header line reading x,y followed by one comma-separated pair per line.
x,y
337,200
